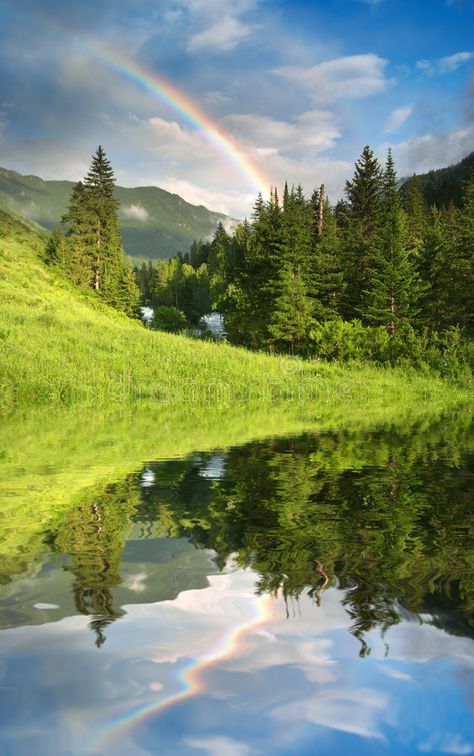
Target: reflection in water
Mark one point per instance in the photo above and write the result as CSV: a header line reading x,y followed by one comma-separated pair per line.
x,y
385,514
250,581
239,611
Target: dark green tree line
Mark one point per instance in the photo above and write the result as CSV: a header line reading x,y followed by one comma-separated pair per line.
x,y
383,272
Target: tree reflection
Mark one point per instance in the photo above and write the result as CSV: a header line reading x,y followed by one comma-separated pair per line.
x,y
386,514
93,535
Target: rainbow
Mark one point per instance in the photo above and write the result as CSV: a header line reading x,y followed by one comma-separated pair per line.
x,y
190,678
167,93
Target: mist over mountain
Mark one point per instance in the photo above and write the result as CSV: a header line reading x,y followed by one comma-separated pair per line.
x,y
154,223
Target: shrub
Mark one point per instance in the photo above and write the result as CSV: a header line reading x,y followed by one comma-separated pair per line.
x,y
169,319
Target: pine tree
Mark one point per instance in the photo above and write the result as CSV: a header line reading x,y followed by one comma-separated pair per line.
x,y
257,283
436,272
99,188
55,253
328,276
394,290
95,256
290,286
364,214
461,303
80,249
291,319
415,209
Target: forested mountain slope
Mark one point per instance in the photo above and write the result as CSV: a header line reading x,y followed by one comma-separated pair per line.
x,y
154,223
445,185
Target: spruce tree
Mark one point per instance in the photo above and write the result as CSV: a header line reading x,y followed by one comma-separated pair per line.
x,y
364,196
415,209
461,304
436,271
290,286
80,248
55,253
394,289
95,256
292,316
328,277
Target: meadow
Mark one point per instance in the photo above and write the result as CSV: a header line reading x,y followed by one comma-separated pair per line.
x,y
60,346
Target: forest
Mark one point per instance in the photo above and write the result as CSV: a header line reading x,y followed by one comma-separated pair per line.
x,y
379,276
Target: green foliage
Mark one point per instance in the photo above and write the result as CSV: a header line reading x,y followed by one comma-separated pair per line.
x,y
446,353
364,202
327,285
377,260
292,316
444,186
169,319
91,254
394,289
177,284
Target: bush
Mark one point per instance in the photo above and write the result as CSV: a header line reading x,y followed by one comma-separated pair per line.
x,y
169,319
447,353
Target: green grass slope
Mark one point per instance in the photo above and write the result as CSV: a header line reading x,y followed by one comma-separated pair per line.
x,y
154,223
59,345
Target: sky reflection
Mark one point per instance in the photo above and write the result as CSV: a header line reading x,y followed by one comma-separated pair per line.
x,y
223,671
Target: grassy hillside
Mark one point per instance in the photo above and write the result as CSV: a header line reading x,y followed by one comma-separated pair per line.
x,y
154,223
445,185
59,345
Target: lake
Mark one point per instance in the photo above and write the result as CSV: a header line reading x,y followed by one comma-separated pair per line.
x,y
309,592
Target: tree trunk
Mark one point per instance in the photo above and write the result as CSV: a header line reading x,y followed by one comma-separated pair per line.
x,y
97,261
322,200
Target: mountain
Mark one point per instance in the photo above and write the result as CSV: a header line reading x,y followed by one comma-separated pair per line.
x,y
445,185
154,223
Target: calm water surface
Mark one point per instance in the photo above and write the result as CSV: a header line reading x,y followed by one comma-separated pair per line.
x,y
308,595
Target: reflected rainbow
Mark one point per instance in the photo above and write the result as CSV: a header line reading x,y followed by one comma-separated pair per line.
x,y
190,678
163,90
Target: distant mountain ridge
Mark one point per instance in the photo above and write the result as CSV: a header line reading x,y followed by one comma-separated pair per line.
x,y
445,185
154,223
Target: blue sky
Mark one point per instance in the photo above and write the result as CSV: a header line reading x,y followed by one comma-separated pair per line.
x,y
301,86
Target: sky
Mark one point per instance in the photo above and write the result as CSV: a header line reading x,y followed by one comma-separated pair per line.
x,y
284,90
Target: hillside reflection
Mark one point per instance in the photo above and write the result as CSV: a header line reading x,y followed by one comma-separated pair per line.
x,y
384,514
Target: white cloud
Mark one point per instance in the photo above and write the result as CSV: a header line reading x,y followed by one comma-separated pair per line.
x,y
452,62
357,711
349,77
135,212
446,743
216,97
313,131
224,35
236,204
397,118
431,151
219,24
444,65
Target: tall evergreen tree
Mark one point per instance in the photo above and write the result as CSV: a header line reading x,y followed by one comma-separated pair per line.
x,y
364,197
462,304
394,290
95,256
414,206
436,272
327,282
55,253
